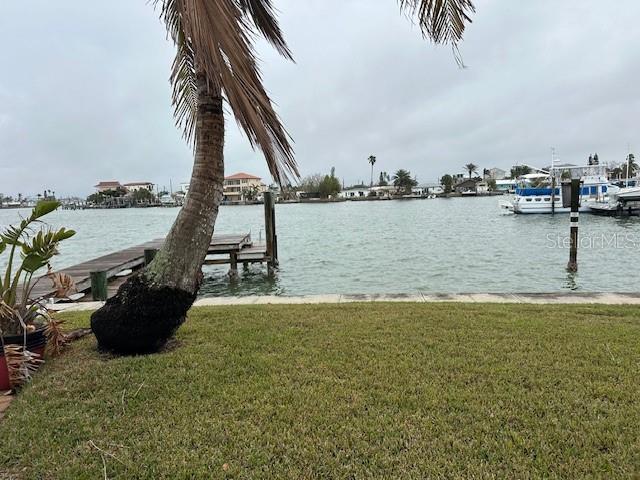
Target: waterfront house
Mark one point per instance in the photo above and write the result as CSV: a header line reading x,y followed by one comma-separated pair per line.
x,y
108,185
241,186
353,193
383,191
432,188
506,185
482,188
468,185
135,186
497,173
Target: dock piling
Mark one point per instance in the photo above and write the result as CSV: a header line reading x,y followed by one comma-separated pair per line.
x,y
572,266
270,230
99,285
149,255
233,268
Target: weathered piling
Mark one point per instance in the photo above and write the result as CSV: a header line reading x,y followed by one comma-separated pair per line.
x,y
572,266
149,255
99,285
270,230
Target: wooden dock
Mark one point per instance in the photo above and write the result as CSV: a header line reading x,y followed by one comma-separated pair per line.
x,y
224,249
102,276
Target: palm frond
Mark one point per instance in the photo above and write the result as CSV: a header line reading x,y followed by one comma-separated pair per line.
x,y
441,21
262,14
215,37
185,90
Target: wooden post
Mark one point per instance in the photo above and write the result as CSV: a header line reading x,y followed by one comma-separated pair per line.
x,y
275,233
572,266
233,270
270,230
149,255
99,286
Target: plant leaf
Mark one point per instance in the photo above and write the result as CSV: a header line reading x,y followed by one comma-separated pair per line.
x,y
33,262
44,207
63,234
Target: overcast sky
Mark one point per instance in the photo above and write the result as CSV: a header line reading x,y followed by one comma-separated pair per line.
x,y
84,92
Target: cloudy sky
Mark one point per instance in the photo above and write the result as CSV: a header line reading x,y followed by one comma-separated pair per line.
x,y
84,93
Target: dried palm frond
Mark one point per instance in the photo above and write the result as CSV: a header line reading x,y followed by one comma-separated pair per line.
x,y
56,339
62,283
7,316
21,363
262,14
215,37
441,21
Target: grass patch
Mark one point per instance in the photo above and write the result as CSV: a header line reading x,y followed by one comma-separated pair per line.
x,y
344,391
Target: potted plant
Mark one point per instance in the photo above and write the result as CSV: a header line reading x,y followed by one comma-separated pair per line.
x,y
25,324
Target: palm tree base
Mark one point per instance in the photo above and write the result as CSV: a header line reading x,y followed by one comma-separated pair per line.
x,y
141,317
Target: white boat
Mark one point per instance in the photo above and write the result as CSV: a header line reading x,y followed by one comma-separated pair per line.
x,y
628,194
535,193
623,201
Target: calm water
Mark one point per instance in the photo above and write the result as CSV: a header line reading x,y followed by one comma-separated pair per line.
x,y
443,245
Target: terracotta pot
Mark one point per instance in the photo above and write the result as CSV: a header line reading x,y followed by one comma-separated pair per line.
x,y
36,343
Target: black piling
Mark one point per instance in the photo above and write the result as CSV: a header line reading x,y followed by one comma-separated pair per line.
x,y
572,266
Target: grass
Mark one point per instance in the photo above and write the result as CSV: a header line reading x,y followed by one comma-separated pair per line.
x,y
344,391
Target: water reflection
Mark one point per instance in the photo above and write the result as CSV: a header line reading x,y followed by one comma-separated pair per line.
x,y
253,280
571,282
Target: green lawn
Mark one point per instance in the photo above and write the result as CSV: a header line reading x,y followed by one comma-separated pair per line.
x,y
344,391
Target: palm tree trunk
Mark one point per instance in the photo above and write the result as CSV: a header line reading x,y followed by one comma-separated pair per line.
x,y
149,307
178,263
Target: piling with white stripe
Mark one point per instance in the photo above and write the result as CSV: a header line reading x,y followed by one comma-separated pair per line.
x,y
572,266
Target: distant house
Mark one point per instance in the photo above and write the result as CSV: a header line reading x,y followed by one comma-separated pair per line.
x,y
351,193
468,185
135,186
432,188
108,185
497,173
506,185
482,187
383,190
239,186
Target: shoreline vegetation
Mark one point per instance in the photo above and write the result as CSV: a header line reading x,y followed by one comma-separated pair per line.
x,y
360,390
75,206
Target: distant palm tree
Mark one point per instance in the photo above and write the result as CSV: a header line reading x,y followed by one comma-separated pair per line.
x,y
216,67
372,161
403,181
631,167
471,168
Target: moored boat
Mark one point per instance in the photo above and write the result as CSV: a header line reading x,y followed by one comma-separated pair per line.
x,y
543,193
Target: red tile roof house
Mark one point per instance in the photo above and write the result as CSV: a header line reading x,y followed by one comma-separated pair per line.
x,y
235,185
109,185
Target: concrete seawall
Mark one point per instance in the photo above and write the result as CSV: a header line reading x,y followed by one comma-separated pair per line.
x,y
576,298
